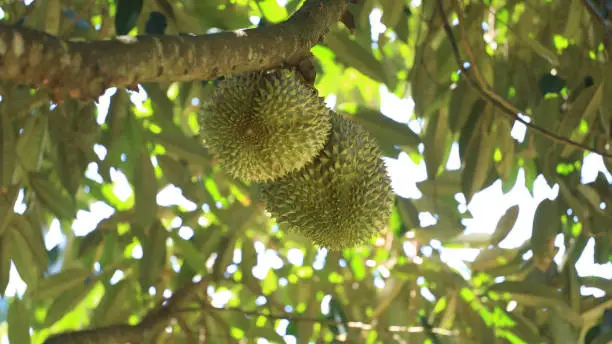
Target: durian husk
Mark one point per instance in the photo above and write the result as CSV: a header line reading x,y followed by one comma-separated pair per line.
x,y
262,126
340,200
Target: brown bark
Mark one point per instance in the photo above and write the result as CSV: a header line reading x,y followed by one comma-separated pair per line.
x,y
85,69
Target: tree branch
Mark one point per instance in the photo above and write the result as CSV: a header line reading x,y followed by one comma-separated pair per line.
x,y
300,318
85,69
595,12
600,16
475,80
122,333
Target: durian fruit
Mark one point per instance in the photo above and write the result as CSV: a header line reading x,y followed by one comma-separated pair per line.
x,y
261,126
340,200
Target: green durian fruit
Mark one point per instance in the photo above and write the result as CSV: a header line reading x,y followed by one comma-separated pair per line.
x,y
261,126
340,200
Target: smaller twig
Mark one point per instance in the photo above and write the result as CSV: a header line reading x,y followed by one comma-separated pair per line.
x,y
601,18
595,12
487,94
320,320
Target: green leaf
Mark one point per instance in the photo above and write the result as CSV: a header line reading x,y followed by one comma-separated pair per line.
x,y
550,83
537,295
393,11
18,322
401,28
408,212
472,317
34,240
145,190
182,147
24,259
5,261
494,257
461,105
30,144
8,197
55,285
525,328
470,128
436,142
358,267
188,251
174,171
115,306
539,48
53,196
603,338
90,242
505,225
272,11
590,194
478,161
118,112
545,227
572,25
270,283
8,155
605,114
127,15
352,54
67,301
154,255
72,164
472,240
589,114
603,248
387,132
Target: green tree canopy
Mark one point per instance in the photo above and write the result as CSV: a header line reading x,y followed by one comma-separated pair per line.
x,y
117,225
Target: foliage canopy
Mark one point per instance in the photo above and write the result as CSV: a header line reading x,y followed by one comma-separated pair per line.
x,y
118,220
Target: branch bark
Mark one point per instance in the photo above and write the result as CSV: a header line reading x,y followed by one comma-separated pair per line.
x,y
84,70
152,323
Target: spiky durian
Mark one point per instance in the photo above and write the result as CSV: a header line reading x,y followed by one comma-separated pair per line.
x,y
341,199
261,126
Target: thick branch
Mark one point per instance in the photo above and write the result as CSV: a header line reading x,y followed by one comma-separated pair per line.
x,y
121,333
84,69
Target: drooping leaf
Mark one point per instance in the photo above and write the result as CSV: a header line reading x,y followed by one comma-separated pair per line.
x,y
114,308
545,227
5,262
33,239
393,11
8,197
59,283
54,197
505,225
550,83
18,322
387,132
354,55
436,143
8,155
30,144
156,24
154,254
24,258
145,190
127,15
478,161
190,254
538,295
65,302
